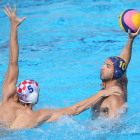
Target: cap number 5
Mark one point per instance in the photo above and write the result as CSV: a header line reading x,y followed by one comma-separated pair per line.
x,y
30,88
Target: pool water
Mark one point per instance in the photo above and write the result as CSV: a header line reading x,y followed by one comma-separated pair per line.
x,y
63,44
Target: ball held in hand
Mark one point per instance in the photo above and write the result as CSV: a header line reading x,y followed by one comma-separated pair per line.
x,y
129,19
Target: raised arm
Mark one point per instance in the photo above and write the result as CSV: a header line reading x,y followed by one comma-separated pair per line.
x,y
10,80
53,115
127,50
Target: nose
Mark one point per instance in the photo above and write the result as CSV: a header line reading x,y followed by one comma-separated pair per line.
x,y
102,68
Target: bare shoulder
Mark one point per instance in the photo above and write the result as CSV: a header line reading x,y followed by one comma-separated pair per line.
x,y
8,91
43,115
115,101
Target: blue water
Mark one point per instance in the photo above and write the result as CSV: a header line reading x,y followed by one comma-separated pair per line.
x,y
63,44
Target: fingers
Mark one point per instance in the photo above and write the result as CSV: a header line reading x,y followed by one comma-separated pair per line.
x,y
9,12
15,21
117,93
129,31
6,11
133,35
10,8
138,31
117,90
15,9
23,18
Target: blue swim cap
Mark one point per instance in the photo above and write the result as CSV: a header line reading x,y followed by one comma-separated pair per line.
x,y
119,67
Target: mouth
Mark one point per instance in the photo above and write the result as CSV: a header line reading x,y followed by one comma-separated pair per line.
x,y
101,73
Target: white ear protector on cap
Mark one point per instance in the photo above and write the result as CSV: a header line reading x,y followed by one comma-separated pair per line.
x,y
33,97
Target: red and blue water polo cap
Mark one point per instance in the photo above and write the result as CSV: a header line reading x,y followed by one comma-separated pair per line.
x,y
28,91
119,67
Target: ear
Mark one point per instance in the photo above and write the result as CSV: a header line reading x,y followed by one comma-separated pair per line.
x,y
33,97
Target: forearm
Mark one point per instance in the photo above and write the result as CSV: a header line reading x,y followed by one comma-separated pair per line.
x,y
127,51
13,46
84,104
87,103
10,80
76,108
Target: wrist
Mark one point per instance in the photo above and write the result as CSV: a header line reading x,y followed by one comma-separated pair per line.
x,y
131,39
101,93
13,27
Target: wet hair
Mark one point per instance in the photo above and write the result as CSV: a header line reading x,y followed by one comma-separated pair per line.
x,y
23,104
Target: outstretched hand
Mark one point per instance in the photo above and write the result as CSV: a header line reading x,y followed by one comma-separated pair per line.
x,y
113,91
15,21
133,35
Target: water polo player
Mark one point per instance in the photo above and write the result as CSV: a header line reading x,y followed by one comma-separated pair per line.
x,y
113,73
16,103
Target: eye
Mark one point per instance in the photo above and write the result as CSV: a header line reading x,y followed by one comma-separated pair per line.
x,y
108,66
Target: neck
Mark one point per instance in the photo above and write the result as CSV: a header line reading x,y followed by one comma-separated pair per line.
x,y
26,105
111,83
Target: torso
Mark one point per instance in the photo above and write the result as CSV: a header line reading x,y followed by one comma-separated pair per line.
x,y
103,108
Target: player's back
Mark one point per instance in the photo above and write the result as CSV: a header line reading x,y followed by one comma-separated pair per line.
x,y
16,116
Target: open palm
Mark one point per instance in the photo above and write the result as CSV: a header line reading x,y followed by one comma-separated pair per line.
x,y
15,21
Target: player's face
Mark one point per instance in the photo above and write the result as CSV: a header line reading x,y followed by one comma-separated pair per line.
x,y
106,71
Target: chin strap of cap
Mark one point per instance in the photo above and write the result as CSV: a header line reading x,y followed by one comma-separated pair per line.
x,y
103,83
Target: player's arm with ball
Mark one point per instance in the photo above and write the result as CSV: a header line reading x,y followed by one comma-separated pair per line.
x,y
127,51
129,21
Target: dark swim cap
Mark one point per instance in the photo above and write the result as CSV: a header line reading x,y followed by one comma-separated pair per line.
x,y
119,67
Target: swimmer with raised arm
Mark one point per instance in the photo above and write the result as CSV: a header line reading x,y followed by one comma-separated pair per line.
x,y
113,73
16,103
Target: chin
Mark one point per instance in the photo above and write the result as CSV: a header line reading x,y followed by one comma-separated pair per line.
x,y
105,78
102,78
